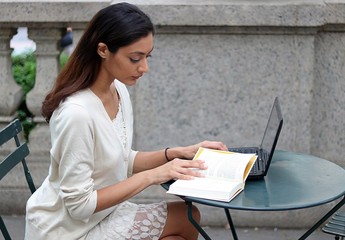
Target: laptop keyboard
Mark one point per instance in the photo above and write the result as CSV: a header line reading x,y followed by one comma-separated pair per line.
x,y
255,169
244,150
260,162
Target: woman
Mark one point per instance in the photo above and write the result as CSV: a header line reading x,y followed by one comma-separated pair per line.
x,y
93,170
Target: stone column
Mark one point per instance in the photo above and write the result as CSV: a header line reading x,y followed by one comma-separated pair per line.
x,y
47,67
12,93
10,97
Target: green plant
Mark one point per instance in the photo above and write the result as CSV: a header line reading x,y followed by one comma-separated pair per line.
x,y
26,120
24,73
63,59
24,70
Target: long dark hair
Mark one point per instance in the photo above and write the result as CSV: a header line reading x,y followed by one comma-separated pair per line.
x,y
117,25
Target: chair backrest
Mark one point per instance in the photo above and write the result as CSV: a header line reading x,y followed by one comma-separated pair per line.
x,y
9,133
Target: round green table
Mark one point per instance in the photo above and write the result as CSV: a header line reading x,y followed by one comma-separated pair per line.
x,y
294,181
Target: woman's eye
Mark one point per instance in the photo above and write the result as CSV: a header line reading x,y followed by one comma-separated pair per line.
x,y
134,60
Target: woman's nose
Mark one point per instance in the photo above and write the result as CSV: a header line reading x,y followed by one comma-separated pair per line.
x,y
144,66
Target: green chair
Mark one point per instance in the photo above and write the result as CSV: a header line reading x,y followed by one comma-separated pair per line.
x,y
336,226
11,133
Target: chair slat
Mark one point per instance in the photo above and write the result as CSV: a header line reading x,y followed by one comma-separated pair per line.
x,y
336,225
13,159
10,131
334,231
340,224
339,216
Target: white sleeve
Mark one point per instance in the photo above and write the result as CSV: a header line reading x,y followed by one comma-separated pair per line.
x,y
73,150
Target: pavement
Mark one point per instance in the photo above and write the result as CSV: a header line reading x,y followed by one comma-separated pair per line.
x,y
16,226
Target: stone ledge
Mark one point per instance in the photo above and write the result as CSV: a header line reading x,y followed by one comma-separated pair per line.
x,y
244,13
49,11
291,13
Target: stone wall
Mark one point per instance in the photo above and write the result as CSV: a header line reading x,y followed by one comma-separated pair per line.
x,y
215,70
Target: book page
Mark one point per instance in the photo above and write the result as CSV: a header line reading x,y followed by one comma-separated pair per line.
x,y
222,190
222,164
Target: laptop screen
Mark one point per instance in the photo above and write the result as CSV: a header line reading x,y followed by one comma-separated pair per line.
x,y
272,131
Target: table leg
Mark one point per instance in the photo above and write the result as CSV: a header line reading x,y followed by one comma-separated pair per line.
x,y
199,228
231,224
4,229
323,219
195,224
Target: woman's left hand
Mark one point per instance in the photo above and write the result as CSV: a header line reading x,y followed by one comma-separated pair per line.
x,y
190,151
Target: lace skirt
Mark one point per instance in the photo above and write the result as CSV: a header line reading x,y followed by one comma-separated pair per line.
x,y
132,221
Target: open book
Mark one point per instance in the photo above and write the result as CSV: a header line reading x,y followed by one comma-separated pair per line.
x,y
224,178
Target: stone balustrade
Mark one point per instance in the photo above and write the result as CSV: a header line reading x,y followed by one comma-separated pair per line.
x,y
216,68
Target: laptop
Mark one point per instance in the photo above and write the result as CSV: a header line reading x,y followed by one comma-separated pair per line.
x,y
268,144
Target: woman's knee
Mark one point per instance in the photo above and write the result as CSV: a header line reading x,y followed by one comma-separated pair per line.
x,y
182,208
178,224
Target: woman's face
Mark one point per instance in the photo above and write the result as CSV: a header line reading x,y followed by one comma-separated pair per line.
x,y
129,63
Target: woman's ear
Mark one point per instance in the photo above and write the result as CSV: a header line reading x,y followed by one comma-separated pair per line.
x,y
102,50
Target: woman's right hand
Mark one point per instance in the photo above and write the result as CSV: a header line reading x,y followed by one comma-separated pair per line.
x,y
177,169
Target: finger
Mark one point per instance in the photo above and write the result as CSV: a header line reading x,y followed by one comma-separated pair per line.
x,y
199,164
193,164
221,146
188,174
185,177
215,145
196,173
193,172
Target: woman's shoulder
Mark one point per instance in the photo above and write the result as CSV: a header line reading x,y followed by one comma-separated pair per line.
x,y
83,97
81,104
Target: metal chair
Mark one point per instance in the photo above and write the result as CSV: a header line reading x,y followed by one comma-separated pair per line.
x,y
336,225
18,154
